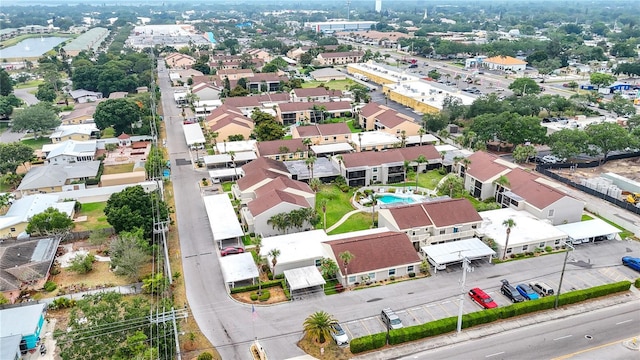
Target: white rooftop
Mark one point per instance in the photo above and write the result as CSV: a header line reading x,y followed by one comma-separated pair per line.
x,y
329,148
296,246
374,138
21,320
588,229
225,158
238,267
193,134
26,207
222,217
528,229
454,251
226,173
67,130
426,138
235,146
71,147
304,277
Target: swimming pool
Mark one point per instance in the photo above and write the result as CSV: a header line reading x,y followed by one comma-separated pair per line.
x,y
394,199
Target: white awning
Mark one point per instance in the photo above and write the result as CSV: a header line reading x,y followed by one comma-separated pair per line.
x,y
588,229
193,134
222,217
226,173
454,251
238,268
331,148
304,277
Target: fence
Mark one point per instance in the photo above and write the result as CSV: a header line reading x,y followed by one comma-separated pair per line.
x,y
544,169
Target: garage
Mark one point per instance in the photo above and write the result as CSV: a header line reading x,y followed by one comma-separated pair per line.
x,y
303,282
453,252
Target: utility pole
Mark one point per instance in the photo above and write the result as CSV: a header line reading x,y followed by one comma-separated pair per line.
x,y
564,265
465,269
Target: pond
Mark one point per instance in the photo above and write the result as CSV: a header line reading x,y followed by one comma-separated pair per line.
x,y
32,47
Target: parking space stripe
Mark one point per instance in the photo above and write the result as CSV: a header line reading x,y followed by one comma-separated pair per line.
x,y
426,308
366,328
598,280
445,309
413,316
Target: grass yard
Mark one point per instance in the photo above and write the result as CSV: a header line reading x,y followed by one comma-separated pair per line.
x,y
624,234
586,217
338,204
355,222
117,169
333,84
36,144
352,126
428,180
96,219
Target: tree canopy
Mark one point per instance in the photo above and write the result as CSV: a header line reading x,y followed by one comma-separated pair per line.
x,y
523,86
117,113
50,222
12,155
607,137
134,208
37,118
6,84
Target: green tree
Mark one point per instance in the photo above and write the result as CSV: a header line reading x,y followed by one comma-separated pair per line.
x,y
46,93
268,130
82,263
49,222
607,137
7,104
14,154
346,257
274,253
117,113
328,268
568,143
319,326
128,253
452,185
37,118
435,122
523,152
523,86
620,106
600,79
6,84
205,356
134,208
155,163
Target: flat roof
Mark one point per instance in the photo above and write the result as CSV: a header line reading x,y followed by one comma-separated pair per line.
x,y
193,134
304,277
528,229
226,172
235,146
588,229
323,167
238,267
222,217
296,246
374,138
329,148
23,319
225,158
454,251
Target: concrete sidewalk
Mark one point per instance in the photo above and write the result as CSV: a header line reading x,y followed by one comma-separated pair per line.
x,y
481,331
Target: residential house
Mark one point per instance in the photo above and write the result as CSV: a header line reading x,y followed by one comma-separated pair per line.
x,y
54,178
82,96
340,58
205,92
258,173
282,195
327,74
79,132
70,151
281,150
385,167
248,103
378,254
79,115
15,221
374,116
235,74
297,250
179,61
228,120
504,63
489,176
22,326
372,37
314,112
264,82
118,95
433,222
260,54
318,94
322,134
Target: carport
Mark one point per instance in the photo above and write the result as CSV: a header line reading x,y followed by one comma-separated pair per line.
x,y
238,268
588,231
193,134
226,174
224,160
223,220
331,149
304,281
452,252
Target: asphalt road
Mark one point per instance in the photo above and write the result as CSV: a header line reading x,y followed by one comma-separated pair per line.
x,y
583,334
27,97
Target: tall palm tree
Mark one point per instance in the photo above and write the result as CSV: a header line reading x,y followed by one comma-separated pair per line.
x,y
403,138
346,257
360,140
405,166
307,142
509,223
420,160
421,133
214,136
274,253
310,161
319,326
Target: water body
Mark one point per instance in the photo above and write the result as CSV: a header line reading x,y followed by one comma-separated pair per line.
x,y
32,47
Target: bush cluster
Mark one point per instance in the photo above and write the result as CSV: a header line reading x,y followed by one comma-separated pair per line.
x,y
637,283
49,286
265,285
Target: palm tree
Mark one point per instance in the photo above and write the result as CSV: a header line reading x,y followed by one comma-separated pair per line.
x,y
421,133
360,140
456,161
310,161
403,138
214,136
509,223
502,182
443,153
277,221
420,160
457,79
323,203
274,253
232,155
346,257
319,326
307,142
258,244
405,167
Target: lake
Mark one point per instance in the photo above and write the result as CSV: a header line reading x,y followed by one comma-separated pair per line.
x,y
32,47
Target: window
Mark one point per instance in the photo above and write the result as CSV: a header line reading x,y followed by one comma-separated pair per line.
x,y
13,229
372,276
326,138
410,268
318,262
442,232
525,247
557,242
375,170
392,272
277,157
509,251
374,178
541,245
290,156
474,226
351,279
455,230
551,213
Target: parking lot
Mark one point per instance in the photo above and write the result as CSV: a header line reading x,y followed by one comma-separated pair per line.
x,y
580,275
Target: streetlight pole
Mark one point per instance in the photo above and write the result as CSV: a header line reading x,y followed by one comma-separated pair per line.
x,y
564,265
465,269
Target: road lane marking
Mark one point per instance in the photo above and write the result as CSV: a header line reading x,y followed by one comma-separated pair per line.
x,y
444,302
562,337
567,356
445,309
496,354
624,322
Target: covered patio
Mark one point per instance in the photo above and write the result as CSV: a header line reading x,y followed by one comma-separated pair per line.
x,y
453,252
239,270
304,281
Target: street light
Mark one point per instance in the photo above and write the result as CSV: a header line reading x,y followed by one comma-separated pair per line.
x,y
564,265
465,269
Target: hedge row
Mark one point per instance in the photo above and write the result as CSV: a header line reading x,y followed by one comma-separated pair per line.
x,y
265,285
442,326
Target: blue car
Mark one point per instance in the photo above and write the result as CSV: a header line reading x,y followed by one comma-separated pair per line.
x,y
631,262
526,291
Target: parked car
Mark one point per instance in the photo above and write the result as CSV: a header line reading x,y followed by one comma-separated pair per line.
x,y
632,262
339,335
509,291
413,66
526,291
541,288
552,159
482,298
390,319
231,250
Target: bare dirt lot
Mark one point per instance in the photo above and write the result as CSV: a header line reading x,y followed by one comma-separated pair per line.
x,y
629,168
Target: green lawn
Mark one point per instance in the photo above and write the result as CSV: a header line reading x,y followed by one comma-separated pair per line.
x,y
117,169
338,203
356,222
586,217
36,144
428,180
352,126
29,84
96,219
226,186
333,84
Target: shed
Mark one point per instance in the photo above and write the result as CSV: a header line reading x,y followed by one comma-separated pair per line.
x,y
453,252
304,280
238,268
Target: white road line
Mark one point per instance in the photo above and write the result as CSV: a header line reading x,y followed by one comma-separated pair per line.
x,y
623,322
416,308
444,302
430,305
562,337
490,355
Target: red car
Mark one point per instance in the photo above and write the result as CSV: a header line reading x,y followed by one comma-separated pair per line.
x,y
482,298
231,250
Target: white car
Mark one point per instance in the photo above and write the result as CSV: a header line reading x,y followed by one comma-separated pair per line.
x,y
339,335
552,159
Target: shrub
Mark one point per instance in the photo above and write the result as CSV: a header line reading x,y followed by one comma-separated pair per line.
x,y
392,278
49,286
637,283
253,296
266,284
369,342
412,274
264,296
548,249
62,303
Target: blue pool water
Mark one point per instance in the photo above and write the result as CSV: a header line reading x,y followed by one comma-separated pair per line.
x,y
392,199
